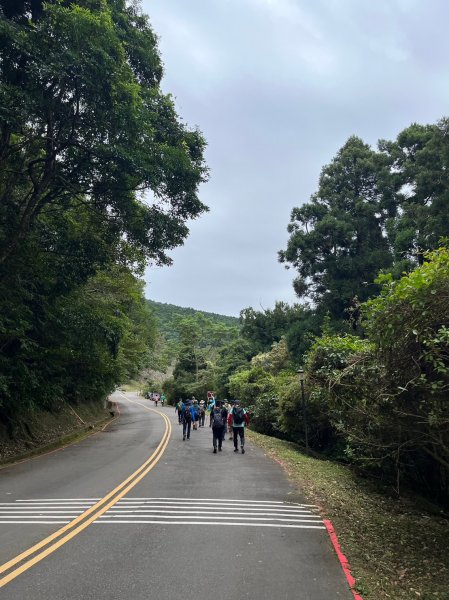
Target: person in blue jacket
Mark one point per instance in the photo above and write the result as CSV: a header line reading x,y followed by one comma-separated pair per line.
x,y
195,413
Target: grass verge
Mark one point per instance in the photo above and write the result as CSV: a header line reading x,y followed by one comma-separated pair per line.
x,y
398,548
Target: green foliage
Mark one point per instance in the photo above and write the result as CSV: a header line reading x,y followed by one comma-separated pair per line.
x,y
385,397
76,347
373,211
260,385
231,358
201,340
409,325
265,416
68,132
344,383
250,384
420,159
297,323
168,314
337,242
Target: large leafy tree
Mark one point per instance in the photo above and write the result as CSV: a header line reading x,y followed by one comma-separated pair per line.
x,y
83,119
337,240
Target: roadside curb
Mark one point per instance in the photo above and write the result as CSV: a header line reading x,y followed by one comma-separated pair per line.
x,y
342,558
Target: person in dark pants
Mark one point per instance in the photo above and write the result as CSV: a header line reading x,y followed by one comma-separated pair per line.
x,y
202,412
218,418
186,420
239,420
178,409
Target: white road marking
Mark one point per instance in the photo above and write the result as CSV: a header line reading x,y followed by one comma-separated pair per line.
x,y
218,500
35,506
38,512
166,511
34,522
37,517
212,505
209,508
218,512
60,500
224,524
227,518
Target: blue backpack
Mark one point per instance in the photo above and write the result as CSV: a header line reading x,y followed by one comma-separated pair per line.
x,y
217,418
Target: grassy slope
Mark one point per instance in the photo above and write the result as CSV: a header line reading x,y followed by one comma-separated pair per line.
x,y
40,431
397,548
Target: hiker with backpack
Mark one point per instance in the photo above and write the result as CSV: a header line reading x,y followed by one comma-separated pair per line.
x,y
227,407
238,418
195,413
187,417
218,418
178,409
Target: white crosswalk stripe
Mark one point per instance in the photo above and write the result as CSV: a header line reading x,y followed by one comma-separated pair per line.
x,y
167,511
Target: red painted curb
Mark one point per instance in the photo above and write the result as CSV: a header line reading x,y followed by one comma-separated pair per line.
x,y
342,558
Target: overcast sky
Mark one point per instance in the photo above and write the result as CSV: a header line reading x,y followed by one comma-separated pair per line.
x,y
277,86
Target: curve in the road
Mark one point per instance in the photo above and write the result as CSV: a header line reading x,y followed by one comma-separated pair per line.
x,y
51,543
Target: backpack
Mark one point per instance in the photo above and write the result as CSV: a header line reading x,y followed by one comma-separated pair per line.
x,y
187,414
237,415
217,418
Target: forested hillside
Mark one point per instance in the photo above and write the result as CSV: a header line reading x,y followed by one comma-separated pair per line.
x,y
166,314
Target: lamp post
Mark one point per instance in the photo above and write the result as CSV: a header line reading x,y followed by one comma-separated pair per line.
x,y
304,408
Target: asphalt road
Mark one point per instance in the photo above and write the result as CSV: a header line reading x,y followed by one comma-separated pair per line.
x,y
196,526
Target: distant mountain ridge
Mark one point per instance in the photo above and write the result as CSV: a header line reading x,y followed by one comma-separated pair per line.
x,y
165,314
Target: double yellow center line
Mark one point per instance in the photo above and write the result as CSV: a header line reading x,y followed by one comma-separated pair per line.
x,y
27,559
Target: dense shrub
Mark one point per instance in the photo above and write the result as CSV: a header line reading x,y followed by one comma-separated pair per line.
x,y
409,325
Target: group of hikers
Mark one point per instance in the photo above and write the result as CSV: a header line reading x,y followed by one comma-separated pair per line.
x,y
224,417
